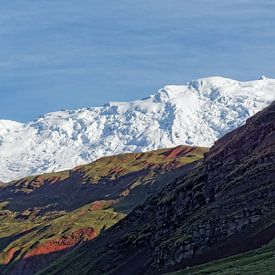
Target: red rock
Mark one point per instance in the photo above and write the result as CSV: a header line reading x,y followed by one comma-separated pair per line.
x,y
83,234
9,255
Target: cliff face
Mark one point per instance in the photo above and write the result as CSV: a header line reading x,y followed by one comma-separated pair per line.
x,y
225,206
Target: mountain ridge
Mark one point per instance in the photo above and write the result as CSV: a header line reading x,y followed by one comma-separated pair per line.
x,y
195,114
223,207
44,217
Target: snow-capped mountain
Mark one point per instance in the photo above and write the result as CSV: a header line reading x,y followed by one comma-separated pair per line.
x,y
196,113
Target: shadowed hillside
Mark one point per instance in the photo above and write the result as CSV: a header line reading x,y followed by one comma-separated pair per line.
x,y
258,261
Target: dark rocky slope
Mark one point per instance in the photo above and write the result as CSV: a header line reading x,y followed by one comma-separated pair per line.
x,y
224,207
258,261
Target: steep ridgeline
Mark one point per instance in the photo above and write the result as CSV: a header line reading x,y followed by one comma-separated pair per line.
x,y
224,207
194,114
44,217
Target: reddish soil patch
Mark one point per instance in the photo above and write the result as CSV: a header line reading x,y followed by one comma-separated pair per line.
x,y
39,179
9,255
63,243
177,152
97,205
102,204
125,193
116,170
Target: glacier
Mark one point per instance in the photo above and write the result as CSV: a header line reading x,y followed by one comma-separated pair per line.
x,y
196,114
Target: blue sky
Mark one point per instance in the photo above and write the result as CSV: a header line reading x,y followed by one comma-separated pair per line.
x,y
71,54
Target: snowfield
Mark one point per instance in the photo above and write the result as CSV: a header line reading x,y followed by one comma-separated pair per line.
x,y
197,113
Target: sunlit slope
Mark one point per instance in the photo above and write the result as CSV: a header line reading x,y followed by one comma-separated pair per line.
x,y
45,216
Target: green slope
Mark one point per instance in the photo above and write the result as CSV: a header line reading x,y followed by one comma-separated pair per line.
x,y
44,217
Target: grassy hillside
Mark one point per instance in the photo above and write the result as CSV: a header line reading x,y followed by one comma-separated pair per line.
x,y
44,217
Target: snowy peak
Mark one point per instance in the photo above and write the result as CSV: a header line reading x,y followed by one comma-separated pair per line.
x,y
7,126
204,84
197,113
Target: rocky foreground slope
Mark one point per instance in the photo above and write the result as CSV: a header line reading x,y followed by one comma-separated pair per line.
x,y
194,114
44,217
224,207
257,261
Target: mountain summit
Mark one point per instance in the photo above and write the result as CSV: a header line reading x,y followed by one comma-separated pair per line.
x,y
195,114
